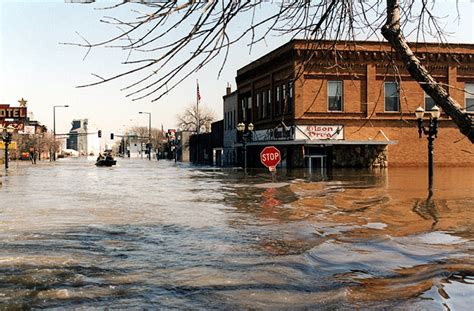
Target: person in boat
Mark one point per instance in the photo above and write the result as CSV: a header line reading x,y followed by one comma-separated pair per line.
x,y
100,157
108,157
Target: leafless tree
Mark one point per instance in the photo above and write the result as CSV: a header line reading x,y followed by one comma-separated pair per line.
x,y
169,40
195,117
140,131
157,135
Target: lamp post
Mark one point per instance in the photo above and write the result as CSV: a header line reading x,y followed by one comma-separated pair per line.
x,y
7,139
149,133
177,144
54,128
244,135
431,133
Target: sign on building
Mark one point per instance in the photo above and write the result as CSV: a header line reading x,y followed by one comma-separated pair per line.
x,y
277,133
13,116
7,112
28,130
18,126
320,132
11,146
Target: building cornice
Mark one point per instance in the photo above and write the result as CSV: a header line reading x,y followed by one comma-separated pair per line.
x,y
359,53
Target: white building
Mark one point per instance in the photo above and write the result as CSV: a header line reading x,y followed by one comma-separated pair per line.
x,y
83,138
230,123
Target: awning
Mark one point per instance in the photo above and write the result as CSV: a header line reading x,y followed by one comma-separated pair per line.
x,y
323,142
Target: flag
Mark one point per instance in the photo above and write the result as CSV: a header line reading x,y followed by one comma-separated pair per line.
x,y
197,93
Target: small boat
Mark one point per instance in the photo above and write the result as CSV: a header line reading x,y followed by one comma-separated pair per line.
x,y
108,160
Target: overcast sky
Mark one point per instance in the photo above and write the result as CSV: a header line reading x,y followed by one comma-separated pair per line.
x,y
33,65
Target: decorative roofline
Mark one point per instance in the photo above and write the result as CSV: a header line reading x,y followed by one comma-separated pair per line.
x,y
364,51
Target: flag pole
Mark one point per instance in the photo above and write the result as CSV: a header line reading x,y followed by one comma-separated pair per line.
x,y
197,107
198,123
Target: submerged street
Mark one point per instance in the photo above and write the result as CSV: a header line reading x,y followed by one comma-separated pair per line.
x,y
166,235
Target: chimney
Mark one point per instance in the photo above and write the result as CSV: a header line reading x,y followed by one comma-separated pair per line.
x,y
228,89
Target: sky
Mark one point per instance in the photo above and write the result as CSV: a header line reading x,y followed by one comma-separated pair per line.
x,y
36,67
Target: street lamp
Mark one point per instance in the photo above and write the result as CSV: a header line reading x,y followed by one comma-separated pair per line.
x,y
54,128
149,133
7,139
177,144
245,135
431,132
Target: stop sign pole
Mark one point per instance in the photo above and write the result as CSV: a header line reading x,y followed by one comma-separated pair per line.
x,y
270,157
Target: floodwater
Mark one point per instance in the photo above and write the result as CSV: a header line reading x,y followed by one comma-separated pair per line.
x,y
148,234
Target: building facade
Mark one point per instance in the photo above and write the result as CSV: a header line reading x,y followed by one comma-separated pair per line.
x,y
351,104
229,156
81,140
207,148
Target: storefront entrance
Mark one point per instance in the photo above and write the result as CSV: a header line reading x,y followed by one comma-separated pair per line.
x,y
316,164
316,161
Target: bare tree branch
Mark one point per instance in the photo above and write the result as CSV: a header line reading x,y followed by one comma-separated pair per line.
x,y
208,29
392,32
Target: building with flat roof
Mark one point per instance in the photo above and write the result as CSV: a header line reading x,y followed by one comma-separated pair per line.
x,y
81,139
351,104
229,155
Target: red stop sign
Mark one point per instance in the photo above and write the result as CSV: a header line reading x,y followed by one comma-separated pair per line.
x,y
270,156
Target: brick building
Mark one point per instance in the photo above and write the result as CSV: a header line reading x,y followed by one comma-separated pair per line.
x,y
349,105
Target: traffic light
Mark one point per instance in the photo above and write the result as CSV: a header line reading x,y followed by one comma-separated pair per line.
x,y
111,136
99,133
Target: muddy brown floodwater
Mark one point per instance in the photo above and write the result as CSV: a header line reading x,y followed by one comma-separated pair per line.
x,y
148,234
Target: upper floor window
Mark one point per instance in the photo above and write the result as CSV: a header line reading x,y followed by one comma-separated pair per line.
x,y
469,97
269,101
257,105
392,96
243,108
291,103
226,121
277,100
429,102
335,95
263,97
229,120
249,109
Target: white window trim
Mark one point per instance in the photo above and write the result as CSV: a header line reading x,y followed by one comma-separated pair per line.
x,y
342,96
384,97
468,96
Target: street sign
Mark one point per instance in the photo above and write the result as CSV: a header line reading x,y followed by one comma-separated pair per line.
x,y
11,146
270,157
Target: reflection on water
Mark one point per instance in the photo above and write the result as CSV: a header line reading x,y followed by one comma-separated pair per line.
x,y
160,235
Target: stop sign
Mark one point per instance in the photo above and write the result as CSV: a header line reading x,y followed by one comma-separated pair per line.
x,y
270,156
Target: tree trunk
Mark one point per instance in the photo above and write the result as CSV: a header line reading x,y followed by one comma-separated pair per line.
x,y
391,32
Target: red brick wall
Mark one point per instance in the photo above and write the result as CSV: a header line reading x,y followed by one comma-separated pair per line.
x,y
364,68
450,148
